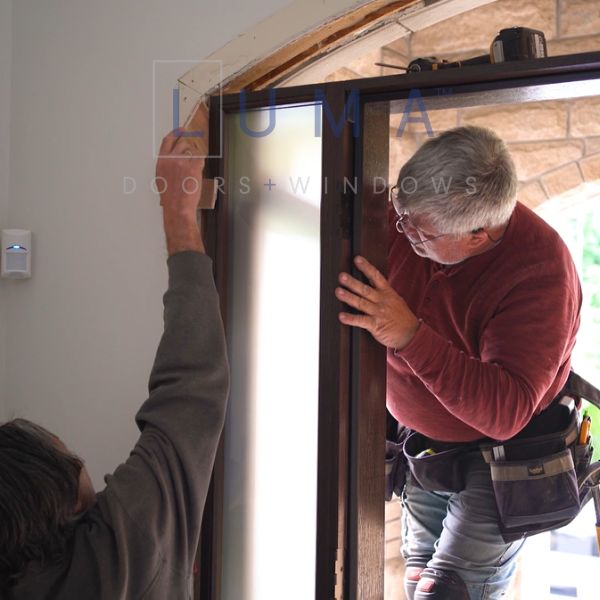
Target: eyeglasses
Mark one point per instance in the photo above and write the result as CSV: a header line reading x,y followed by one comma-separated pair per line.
x,y
404,226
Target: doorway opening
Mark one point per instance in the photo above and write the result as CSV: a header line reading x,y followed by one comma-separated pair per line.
x,y
349,556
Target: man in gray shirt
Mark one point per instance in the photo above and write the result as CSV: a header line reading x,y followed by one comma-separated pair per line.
x,y
138,537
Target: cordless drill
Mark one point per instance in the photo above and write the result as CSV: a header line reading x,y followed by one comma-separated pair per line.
x,y
514,43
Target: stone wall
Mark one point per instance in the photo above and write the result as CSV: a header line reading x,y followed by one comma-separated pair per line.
x,y
555,144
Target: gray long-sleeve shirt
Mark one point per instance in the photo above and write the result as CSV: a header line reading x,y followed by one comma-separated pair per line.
x,y
139,540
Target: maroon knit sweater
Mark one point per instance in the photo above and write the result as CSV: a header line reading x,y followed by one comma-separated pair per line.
x,y
496,336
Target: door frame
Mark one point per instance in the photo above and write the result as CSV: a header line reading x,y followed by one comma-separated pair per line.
x,y
350,503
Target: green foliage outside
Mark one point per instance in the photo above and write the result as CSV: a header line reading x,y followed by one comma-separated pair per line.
x,y
591,287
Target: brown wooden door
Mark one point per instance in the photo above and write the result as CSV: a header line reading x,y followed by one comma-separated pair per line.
x,y
351,386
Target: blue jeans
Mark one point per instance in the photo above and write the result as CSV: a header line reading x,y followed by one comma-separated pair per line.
x,y
459,532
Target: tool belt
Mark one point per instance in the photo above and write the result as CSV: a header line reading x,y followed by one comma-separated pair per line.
x,y
535,477
395,462
541,477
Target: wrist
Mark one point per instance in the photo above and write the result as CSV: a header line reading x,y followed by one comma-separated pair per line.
x,y
411,332
182,233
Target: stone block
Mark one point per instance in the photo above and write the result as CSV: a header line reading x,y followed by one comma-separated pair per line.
x,y
592,145
342,74
401,149
392,57
478,27
578,17
584,117
393,530
535,158
531,194
560,47
562,180
590,167
393,579
392,550
521,122
440,120
393,509
365,65
401,45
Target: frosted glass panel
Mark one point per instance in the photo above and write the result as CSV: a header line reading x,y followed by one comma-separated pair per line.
x,y
274,188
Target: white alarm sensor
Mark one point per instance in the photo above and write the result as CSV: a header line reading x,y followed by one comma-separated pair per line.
x,y
16,253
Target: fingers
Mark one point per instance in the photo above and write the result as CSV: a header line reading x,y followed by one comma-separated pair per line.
x,y
354,301
378,281
195,140
361,296
362,321
168,142
358,287
184,149
175,145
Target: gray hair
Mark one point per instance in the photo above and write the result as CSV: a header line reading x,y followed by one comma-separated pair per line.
x,y
462,180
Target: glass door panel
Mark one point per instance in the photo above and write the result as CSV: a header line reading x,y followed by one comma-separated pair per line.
x,y
273,182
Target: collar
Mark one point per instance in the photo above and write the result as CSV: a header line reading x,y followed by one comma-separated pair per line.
x,y
480,261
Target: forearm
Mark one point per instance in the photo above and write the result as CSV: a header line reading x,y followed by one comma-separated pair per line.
x,y
180,199
191,361
163,484
182,233
474,391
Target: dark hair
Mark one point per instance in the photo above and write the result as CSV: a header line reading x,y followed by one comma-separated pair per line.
x,y
39,484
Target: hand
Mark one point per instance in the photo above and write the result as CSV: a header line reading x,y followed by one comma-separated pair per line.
x,y
198,123
179,175
179,181
387,316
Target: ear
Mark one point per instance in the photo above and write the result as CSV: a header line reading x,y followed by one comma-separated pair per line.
x,y
477,238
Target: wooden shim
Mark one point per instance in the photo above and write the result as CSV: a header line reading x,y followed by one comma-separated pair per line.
x,y
208,196
197,123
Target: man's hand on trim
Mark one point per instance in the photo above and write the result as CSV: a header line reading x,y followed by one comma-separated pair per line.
x,y
385,314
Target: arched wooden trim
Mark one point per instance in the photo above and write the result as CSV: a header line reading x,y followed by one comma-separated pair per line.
x,y
319,42
303,33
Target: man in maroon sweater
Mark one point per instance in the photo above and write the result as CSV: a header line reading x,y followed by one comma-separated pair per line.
x,y
479,315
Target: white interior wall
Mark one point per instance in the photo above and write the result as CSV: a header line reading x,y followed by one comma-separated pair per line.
x,y
5,65
82,332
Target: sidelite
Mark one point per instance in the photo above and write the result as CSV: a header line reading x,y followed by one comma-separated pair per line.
x,y
272,427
